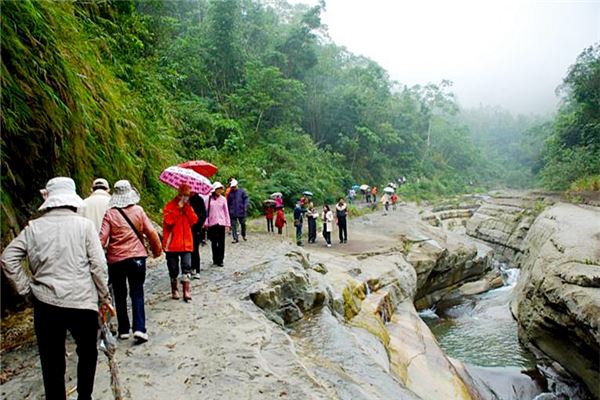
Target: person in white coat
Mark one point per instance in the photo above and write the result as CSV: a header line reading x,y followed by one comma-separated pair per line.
x,y
327,224
96,204
68,281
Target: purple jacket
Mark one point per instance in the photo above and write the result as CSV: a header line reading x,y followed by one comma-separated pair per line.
x,y
237,202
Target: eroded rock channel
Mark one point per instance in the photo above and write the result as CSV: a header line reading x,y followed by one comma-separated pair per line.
x,y
279,321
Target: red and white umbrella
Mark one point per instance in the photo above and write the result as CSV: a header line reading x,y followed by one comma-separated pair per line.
x,y
177,176
200,166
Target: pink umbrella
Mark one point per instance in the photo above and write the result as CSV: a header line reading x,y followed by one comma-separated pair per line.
x,y
177,176
200,166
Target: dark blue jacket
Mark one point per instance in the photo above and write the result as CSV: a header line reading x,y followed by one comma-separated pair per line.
x,y
237,201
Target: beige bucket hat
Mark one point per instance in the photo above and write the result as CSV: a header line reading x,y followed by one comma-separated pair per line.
x,y
124,195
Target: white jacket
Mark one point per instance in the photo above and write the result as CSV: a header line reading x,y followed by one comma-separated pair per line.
x,y
66,261
328,220
95,207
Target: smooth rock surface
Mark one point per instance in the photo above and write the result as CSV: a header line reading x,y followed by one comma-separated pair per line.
x,y
557,299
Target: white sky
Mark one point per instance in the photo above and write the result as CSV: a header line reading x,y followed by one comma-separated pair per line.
x,y
510,53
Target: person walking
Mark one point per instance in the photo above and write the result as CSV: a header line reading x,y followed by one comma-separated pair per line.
x,y
67,281
312,215
341,213
327,224
351,195
269,215
278,201
374,194
299,211
217,220
394,200
385,200
237,202
178,219
96,204
199,207
280,219
122,235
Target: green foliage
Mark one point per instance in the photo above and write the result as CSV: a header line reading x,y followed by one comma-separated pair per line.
x,y
122,89
64,112
586,184
572,151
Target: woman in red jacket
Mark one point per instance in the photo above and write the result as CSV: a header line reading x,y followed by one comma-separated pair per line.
x,y
178,242
280,219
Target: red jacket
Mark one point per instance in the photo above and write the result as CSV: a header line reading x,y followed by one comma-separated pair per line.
x,y
269,212
177,226
280,219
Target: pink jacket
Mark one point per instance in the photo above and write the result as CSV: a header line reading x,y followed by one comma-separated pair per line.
x,y
218,213
120,241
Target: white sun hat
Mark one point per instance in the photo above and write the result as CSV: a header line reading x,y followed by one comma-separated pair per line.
x,y
61,193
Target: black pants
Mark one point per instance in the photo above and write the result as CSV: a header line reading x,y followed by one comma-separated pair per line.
x,y
234,225
216,234
197,237
342,227
326,234
173,263
269,225
312,230
51,324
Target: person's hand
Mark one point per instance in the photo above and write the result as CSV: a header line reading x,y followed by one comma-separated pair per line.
x,y
182,201
106,311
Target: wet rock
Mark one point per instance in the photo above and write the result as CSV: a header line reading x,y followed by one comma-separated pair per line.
x,y
419,362
557,299
500,383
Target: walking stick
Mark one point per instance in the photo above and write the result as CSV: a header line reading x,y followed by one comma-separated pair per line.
x,y
108,344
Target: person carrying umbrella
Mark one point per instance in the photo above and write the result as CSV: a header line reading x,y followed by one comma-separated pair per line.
x,y
122,235
269,206
178,219
68,281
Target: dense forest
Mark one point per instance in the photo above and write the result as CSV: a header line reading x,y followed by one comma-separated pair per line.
x,y
123,89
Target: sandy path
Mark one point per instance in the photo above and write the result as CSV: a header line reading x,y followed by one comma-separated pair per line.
x,y
219,346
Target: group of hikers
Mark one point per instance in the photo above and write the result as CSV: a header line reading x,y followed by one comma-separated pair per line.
x,y
83,254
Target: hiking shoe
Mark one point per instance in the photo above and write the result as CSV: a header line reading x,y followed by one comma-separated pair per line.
x,y
235,241
244,237
196,275
140,337
328,245
123,336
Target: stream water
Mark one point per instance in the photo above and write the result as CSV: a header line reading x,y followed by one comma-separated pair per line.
x,y
481,331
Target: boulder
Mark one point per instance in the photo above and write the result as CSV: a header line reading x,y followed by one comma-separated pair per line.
x,y
557,297
503,224
288,294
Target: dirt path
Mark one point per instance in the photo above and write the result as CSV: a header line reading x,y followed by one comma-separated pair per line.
x,y
219,346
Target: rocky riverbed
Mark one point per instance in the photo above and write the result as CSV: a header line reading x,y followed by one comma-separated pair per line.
x,y
280,321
